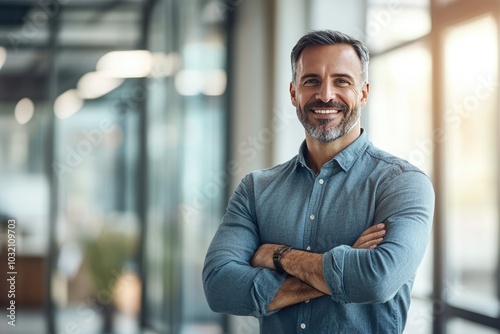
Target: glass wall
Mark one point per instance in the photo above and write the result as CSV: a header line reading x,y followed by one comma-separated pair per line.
x,y
471,120
400,104
95,272
439,96
113,145
24,199
186,145
390,23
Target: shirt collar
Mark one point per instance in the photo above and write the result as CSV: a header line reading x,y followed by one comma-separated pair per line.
x,y
345,159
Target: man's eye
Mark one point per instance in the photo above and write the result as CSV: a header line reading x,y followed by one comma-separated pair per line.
x,y
342,82
310,82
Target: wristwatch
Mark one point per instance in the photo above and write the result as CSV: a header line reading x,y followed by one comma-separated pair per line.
x,y
278,253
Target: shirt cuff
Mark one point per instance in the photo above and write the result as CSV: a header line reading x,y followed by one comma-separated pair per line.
x,y
333,271
265,286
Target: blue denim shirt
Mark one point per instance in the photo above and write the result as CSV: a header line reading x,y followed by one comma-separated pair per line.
x,y
325,213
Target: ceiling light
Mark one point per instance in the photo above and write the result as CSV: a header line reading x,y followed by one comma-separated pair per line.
x,y
189,82
126,64
214,82
94,84
67,104
24,111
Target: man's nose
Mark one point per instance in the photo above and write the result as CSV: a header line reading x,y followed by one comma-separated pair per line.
x,y
326,93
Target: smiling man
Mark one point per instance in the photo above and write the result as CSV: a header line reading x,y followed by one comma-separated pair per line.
x,y
330,241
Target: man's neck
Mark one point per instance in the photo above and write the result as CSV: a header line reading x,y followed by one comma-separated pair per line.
x,y
319,153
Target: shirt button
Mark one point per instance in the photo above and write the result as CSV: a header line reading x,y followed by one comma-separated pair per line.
x,y
311,217
308,248
303,326
307,301
321,181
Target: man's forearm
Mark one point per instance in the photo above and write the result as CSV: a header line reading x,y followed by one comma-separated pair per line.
x,y
307,267
293,291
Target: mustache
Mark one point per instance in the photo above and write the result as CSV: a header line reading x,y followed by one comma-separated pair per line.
x,y
331,104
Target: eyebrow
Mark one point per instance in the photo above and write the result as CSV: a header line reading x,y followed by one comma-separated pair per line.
x,y
336,75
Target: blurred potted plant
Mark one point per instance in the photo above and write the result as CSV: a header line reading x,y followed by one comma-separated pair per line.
x,y
105,259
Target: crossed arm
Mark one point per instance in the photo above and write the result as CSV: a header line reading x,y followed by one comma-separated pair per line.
x,y
305,269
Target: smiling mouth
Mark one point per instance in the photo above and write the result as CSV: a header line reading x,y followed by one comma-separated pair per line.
x,y
326,111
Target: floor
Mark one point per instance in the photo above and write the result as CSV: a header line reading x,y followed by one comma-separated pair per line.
x,y
69,321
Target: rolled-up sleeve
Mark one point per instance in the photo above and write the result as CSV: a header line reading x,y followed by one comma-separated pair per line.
x,y
230,283
405,203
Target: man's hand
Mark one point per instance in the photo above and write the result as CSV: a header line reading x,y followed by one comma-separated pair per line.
x,y
371,237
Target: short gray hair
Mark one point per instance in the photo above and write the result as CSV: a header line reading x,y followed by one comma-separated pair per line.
x,y
330,37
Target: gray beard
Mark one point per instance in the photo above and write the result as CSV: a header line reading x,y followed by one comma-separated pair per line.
x,y
324,134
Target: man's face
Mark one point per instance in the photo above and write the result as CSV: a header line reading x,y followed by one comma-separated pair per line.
x,y
329,91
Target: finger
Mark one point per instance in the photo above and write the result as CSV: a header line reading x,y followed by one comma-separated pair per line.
x,y
374,235
375,244
371,244
368,239
373,229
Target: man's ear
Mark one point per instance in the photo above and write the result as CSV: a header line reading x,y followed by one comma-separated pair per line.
x,y
293,95
365,91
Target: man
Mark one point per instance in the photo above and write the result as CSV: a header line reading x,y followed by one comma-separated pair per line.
x,y
330,241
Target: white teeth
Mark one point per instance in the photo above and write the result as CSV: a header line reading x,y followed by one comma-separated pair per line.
x,y
326,111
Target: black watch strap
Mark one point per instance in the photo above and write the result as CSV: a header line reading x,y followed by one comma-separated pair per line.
x,y
278,253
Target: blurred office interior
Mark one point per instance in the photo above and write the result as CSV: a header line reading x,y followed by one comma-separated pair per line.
x,y
126,124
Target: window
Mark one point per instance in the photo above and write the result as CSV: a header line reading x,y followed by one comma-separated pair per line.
x,y
471,169
444,95
390,23
399,114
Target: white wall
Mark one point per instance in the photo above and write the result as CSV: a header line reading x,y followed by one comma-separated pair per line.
x,y
252,83
291,22
251,144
